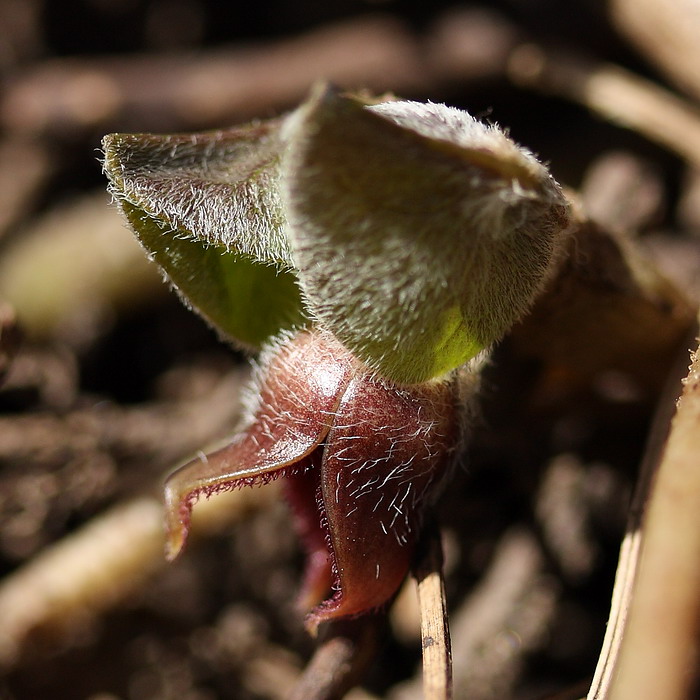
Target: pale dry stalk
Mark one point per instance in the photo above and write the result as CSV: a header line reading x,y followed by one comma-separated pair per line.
x,y
97,567
435,632
660,650
654,617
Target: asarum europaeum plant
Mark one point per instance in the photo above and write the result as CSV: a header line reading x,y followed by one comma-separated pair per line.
x,y
372,253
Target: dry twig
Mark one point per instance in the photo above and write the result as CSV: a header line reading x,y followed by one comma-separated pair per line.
x,y
74,269
340,658
95,568
24,169
166,92
622,192
435,632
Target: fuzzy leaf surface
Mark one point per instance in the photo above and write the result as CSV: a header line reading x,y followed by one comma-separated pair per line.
x,y
207,210
420,235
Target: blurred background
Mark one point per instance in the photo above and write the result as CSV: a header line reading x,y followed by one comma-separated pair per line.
x,y
114,382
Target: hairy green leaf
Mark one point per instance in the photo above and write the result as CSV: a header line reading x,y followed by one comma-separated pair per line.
x,y
420,235
245,301
219,187
207,209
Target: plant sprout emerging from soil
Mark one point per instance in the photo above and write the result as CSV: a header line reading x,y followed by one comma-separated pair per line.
x,y
371,254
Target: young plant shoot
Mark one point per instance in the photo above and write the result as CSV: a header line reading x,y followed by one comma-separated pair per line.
x,y
371,254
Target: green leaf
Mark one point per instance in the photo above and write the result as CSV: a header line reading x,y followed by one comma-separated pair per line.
x,y
420,235
219,187
244,300
207,209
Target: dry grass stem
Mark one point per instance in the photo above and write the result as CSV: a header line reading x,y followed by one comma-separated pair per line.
x,y
25,167
563,514
435,632
85,573
632,546
270,672
74,269
660,649
622,192
213,88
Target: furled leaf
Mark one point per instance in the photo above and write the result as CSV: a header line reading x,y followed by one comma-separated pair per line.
x,y
420,235
207,209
